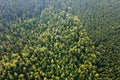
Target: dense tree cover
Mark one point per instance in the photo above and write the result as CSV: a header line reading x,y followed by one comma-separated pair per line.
x,y
17,10
62,50
98,12
102,21
60,39
109,62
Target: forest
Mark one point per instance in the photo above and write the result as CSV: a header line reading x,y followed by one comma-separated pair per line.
x,y
59,39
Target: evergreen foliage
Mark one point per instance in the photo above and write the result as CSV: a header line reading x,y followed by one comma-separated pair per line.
x,y
59,39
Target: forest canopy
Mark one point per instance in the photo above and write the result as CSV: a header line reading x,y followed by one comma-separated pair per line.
x,y
59,39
